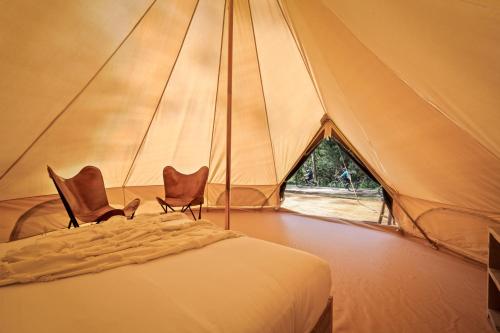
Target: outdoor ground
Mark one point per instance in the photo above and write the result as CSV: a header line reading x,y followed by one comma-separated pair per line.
x,y
364,205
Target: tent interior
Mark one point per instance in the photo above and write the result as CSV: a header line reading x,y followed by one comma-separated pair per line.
x,y
410,89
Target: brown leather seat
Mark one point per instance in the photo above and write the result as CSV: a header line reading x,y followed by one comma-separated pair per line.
x,y
183,190
84,197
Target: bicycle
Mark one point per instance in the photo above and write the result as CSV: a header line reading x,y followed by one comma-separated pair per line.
x,y
307,183
351,185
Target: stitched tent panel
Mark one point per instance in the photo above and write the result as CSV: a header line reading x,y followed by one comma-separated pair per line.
x,y
48,53
133,86
252,155
105,124
191,87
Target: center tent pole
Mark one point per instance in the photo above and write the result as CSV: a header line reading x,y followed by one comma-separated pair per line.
x,y
229,112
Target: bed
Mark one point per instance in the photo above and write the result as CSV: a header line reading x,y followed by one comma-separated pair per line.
x,y
238,284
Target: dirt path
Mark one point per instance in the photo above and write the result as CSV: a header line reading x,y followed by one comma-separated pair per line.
x,y
366,209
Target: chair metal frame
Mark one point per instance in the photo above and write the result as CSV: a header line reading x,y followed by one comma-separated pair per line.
x,y
72,219
165,205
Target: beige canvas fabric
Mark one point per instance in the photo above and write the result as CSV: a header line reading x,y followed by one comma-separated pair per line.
x,y
418,146
412,88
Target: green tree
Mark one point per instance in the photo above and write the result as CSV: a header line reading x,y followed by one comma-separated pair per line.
x,y
329,163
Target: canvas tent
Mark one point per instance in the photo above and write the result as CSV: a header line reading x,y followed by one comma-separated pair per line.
x,y
412,88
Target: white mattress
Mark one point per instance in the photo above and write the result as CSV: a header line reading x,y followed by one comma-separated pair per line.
x,y
236,285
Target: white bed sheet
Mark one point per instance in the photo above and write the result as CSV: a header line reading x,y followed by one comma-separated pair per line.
x,y
236,285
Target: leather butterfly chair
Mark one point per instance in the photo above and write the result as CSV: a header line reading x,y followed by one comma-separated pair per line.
x,y
85,199
183,190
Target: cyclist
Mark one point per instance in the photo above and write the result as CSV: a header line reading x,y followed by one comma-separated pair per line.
x,y
309,177
346,178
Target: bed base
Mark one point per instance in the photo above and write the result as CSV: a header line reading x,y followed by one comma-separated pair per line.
x,y
325,321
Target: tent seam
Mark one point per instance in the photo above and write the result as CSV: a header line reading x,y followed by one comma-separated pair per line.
x,y
263,94
278,185
395,191
70,103
426,101
314,83
311,76
318,95
216,94
129,173
302,55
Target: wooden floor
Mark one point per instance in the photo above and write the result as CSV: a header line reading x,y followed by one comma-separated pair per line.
x,y
382,282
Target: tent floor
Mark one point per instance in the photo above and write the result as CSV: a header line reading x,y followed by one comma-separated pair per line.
x,y
382,282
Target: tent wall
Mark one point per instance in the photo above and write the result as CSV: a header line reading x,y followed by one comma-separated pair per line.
x,y
414,144
462,230
47,54
105,124
154,96
447,53
27,217
156,99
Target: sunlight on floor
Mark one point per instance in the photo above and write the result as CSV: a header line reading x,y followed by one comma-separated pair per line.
x,y
363,209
